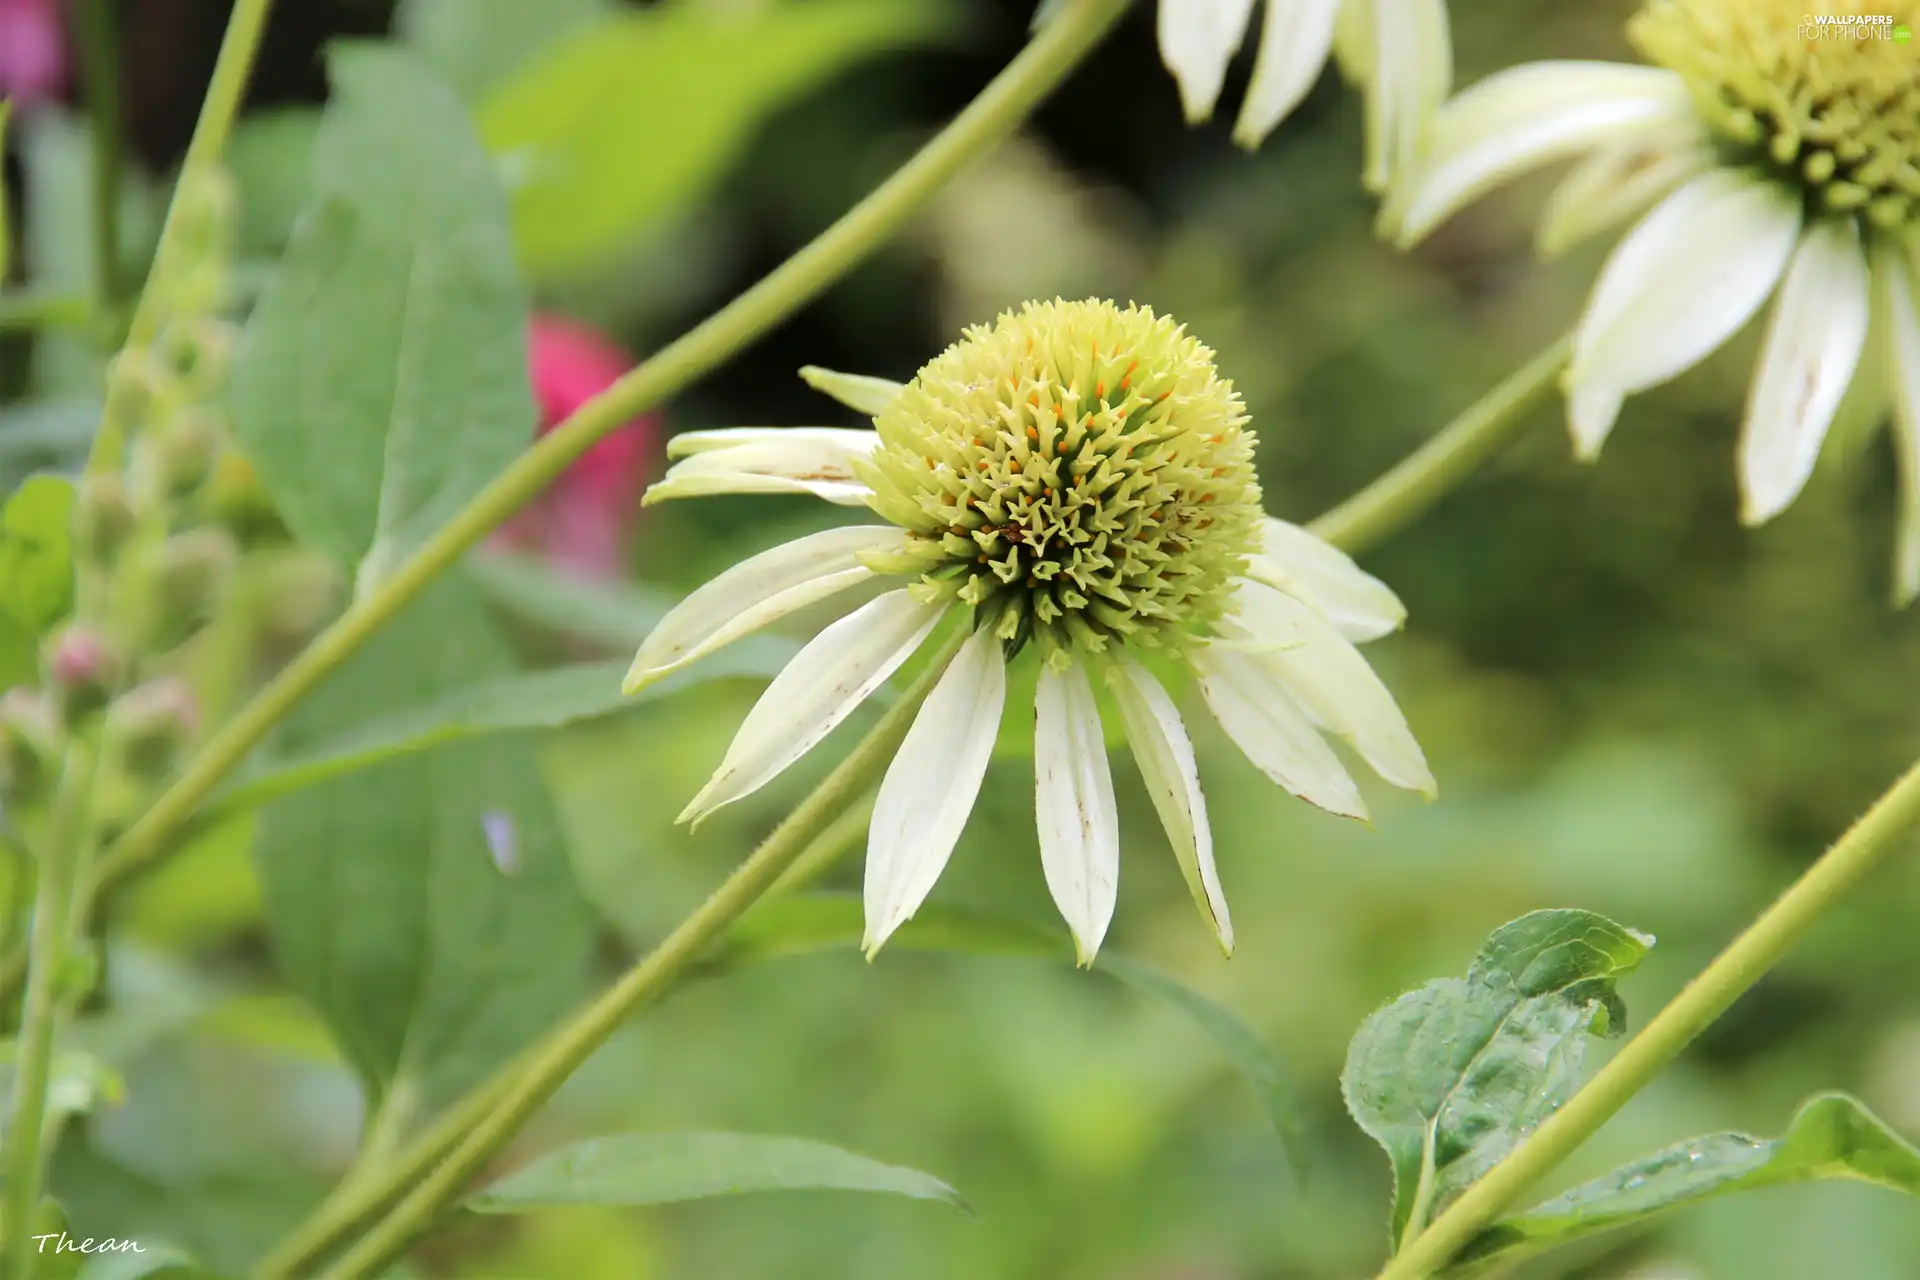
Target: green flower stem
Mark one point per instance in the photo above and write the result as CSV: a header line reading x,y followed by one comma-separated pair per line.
x,y
1001,106
52,936
27,311
231,70
99,44
562,1053
1875,835
1437,467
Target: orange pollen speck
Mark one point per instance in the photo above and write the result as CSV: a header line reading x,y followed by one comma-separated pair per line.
x,y
1100,390
1033,433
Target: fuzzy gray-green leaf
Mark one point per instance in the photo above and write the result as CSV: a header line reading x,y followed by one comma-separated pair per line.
x,y
1832,1136
1450,1077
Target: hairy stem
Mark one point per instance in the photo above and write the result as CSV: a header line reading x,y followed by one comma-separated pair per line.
x,y
1732,973
99,41
218,110
1402,495
40,1018
562,1053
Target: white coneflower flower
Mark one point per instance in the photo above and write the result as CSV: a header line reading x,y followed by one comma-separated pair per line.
x,y
1078,482
1398,51
1776,149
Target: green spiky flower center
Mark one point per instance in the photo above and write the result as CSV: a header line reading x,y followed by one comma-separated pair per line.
x,y
1078,472
1824,94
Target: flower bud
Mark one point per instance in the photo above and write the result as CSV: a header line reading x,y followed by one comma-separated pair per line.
x,y
136,385
148,727
104,518
191,571
196,352
234,497
80,670
31,740
186,450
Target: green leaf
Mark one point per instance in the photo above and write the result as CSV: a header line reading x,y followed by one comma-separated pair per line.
x,y
1450,1077
515,703
36,552
665,1168
270,159
1832,1136
383,377
634,117
834,921
473,44
155,1261
433,952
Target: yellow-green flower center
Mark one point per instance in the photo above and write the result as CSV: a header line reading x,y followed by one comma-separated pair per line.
x,y
1824,94
1078,472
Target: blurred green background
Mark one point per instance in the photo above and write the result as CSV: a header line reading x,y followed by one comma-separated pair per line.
x,y
1632,705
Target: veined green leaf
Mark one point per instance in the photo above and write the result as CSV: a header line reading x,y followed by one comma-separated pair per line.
x,y
425,905
1450,1077
383,381
36,552
626,120
665,1168
1832,1136
834,921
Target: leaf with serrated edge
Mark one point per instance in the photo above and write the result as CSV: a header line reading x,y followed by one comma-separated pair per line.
x,y
666,1168
1832,1136
1449,1078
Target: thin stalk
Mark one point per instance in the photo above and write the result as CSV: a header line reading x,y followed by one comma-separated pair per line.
x,y
231,71
1001,106
646,982
99,43
40,1017
20,312
1400,496
1732,973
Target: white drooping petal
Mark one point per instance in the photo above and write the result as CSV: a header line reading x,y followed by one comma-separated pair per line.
x,y
818,688
1617,183
1411,71
1680,284
1164,754
1359,605
1896,279
757,591
1295,38
1520,119
715,483
772,461
1333,684
1247,698
930,787
857,391
853,442
1813,345
1353,40
1079,823
1198,38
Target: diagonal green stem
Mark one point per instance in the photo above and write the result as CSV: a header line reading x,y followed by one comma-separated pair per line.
x,y
561,1054
1402,495
1732,973
231,71
99,42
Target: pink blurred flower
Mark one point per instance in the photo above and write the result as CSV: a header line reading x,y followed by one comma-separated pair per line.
x,y
33,50
580,524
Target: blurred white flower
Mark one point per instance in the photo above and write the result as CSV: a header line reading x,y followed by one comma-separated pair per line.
x,y
1779,153
1399,52
1075,479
